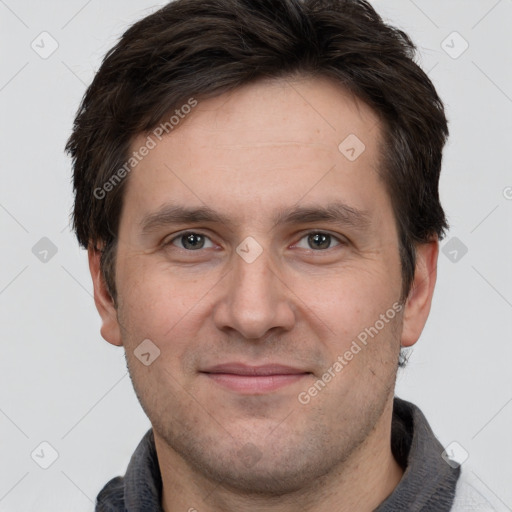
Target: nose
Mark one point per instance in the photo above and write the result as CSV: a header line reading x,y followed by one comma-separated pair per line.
x,y
255,299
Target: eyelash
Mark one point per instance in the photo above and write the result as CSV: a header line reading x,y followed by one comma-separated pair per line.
x,y
341,241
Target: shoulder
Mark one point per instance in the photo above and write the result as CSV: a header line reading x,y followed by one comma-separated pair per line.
x,y
472,494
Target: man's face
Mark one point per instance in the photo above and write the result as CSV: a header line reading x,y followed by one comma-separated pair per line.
x,y
243,335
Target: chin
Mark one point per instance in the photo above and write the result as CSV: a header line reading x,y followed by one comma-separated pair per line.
x,y
270,476
285,466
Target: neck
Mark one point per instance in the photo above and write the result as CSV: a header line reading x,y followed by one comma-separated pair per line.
x,y
362,482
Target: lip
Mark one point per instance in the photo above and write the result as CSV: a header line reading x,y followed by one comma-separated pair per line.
x,y
249,379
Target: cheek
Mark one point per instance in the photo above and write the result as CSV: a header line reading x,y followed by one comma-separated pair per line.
x,y
347,300
366,326
148,303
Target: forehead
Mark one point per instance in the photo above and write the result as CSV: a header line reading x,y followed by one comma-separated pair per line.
x,y
269,111
272,142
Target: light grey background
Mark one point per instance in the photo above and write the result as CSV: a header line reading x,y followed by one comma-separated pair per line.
x,y
61,383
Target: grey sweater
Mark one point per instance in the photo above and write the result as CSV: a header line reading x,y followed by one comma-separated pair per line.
x,y
428,483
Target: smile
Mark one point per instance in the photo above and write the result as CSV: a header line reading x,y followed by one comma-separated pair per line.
x,y
254,379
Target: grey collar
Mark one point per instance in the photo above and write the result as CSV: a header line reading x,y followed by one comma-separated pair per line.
x,y
428,483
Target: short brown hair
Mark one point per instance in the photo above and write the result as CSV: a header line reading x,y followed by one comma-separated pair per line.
x,y
203,48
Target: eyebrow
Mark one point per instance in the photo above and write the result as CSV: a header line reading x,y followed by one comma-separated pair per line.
x,y
335,212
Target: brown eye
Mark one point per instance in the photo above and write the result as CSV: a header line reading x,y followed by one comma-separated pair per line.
x,y
319,241
190,241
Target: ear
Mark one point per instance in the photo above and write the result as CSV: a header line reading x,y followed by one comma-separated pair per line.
x,y
419,300
110,330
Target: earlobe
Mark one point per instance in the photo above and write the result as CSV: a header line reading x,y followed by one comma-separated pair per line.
x,y
419,300
110,330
